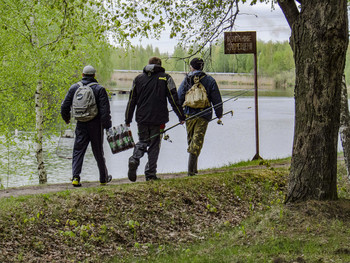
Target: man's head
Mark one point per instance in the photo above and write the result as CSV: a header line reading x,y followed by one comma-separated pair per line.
x,y
89,71
155,60
197,64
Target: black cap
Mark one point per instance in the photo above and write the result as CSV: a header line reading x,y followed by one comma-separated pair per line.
x,y
197,63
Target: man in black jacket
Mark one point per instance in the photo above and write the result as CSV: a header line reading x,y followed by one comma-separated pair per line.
x,y
89,131
149,95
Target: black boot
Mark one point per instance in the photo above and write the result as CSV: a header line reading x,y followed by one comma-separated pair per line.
x,y
192,161
133,164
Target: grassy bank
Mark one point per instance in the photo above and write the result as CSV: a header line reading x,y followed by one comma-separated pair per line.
x,y
231,214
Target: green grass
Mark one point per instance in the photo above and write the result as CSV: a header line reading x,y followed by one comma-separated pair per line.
x,y
230,214
306,232
262,162
277,235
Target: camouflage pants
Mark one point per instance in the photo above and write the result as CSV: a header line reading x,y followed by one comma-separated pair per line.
x,y
196,129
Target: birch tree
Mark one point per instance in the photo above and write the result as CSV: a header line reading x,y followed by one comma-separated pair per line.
x,y
45,44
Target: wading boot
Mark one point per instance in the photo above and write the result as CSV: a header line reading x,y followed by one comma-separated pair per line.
x,y
192,163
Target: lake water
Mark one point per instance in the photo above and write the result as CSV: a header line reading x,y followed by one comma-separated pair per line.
x,y
224,144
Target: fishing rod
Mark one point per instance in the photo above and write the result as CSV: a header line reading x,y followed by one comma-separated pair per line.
x,y
203,111
217,105
166,137
236,96
209,108
219,121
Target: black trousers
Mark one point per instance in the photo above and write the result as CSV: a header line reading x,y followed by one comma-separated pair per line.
x,y
149,145
85,133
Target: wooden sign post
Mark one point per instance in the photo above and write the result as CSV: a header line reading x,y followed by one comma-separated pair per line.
x,y
245,43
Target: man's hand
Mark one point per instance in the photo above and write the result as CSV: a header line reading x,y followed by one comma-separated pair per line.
x,y
127,124
109,131
182,122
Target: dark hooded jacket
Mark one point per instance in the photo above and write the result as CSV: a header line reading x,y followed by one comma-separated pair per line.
x,y
149,95
104,112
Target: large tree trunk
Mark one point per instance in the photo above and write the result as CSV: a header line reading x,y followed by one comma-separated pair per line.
x,y
344,129
319,41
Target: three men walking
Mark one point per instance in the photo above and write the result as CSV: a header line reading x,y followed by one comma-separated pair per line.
x,y
151,91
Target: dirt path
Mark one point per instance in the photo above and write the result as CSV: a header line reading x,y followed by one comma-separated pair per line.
x,y
49,188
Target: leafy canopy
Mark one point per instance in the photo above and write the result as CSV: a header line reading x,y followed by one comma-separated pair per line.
x,y
194,23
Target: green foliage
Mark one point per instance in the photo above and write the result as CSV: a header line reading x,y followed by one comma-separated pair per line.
x,y
196,24
46,42
133,225
273,59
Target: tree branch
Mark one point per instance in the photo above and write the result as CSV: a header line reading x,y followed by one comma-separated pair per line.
x,y
225,22
60,36
290,10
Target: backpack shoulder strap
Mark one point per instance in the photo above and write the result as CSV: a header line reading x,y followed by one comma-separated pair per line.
x,y
92,83
197,78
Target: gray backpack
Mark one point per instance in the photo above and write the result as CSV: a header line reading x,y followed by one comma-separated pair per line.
x,y
84,107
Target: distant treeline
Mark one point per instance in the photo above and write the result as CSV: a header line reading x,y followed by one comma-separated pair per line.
x,y
272,58
275,59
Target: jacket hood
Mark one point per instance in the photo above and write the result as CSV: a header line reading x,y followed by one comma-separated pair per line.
x,y
88,79
153,68
195,72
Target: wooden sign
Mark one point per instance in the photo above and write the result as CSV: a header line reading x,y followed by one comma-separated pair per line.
x,y
245,43
240,42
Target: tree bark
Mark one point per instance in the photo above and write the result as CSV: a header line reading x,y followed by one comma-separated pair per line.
x,y
344,129
39,121
319,41
39,131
